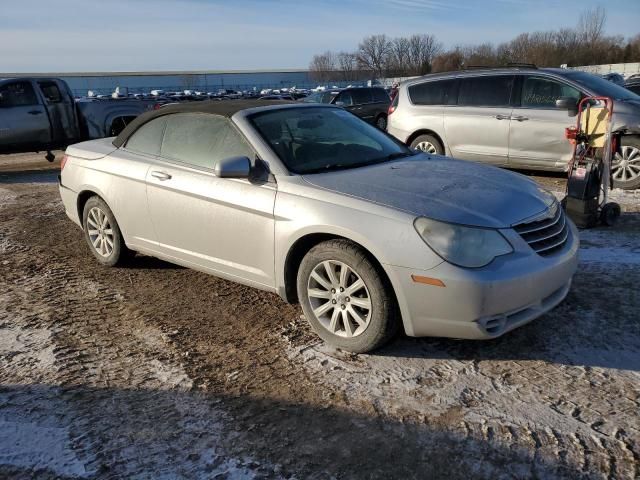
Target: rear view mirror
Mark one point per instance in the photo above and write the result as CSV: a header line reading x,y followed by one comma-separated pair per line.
x,y
233,167
568,103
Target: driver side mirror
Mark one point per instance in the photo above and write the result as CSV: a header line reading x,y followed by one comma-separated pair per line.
x,y
233,167
568,103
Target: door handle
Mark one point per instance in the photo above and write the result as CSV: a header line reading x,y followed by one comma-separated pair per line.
x,y
520,118
162,176
35,112
501,117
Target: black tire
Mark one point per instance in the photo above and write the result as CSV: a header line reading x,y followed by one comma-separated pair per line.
x,y
629,141
119,252
609,214
383,318
381,122
430,139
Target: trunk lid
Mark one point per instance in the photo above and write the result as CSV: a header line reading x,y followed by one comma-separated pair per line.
x,y
91,150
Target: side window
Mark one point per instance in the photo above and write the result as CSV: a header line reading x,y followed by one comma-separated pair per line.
x,y
328,96
431,93
486,91
202,139
51,92
148,138
361,95
380,96
345,97
540,92
17,94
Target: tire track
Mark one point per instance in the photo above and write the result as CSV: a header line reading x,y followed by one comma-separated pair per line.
x,y
105,394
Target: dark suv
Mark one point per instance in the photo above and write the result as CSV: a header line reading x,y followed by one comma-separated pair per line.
x,y
369,103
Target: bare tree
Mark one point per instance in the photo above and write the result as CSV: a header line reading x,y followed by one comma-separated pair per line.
x,y
373,53
477,55
323,67
448,61
591,24
422,51
399,56
586,44
347,63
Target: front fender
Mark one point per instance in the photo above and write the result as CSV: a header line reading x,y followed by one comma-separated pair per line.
x,y
388,235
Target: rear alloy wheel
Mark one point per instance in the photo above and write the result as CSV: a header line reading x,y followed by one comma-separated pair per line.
x,y
102,233
344,297
381,123
427,144
625,165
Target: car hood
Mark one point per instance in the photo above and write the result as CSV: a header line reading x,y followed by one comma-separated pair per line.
x,y
443,189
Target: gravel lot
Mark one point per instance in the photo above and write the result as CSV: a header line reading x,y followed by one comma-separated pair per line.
x,y
156,371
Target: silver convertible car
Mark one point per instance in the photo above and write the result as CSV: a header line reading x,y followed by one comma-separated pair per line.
x,y
315,204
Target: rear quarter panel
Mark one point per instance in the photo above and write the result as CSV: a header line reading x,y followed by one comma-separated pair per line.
x,y
409,119
119,179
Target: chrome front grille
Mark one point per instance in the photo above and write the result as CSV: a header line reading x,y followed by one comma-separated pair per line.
x,y
548,234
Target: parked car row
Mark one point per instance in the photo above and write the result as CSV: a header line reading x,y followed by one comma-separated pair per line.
x,y
512,117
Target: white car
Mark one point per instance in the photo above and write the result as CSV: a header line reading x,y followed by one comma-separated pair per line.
x,y
312,203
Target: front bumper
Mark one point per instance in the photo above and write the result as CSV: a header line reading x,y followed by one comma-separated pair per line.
x,y
487,302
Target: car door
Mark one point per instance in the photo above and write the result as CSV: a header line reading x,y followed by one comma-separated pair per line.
x,y
345,100
221,225
24,123
380,103
62,112
127,188
536,138
363,104
477,126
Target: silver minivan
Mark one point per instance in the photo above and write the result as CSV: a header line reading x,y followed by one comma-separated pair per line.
x,y
512,117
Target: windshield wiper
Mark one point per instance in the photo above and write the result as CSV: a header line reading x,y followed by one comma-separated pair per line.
x,y
343,166
395,156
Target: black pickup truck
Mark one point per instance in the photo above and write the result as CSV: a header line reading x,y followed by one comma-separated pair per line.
x,y
41,114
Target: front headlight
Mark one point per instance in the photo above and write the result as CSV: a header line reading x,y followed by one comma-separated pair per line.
x,y
463,246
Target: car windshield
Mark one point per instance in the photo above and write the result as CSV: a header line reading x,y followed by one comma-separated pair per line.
x,y
602,87
320,97
311,140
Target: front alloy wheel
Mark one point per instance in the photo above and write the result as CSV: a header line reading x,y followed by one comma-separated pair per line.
x,y
346,298
339,298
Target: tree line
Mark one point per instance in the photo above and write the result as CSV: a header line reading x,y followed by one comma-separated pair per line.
x,y
381,56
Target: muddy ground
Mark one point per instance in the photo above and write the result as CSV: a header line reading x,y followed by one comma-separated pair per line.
x,y
156,371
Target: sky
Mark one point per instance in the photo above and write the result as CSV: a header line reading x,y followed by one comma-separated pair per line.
x,y
135,35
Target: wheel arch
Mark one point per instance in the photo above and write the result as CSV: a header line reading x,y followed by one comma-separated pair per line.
x,y
306,242
83,198
426,131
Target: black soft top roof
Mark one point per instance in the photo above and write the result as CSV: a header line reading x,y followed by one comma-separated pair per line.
x,y
225,108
